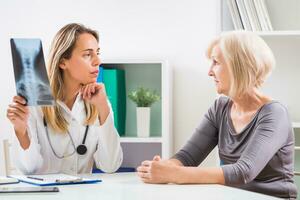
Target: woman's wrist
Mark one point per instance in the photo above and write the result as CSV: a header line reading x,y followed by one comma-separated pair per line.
x,y
103,112
171,173
23,138
20,131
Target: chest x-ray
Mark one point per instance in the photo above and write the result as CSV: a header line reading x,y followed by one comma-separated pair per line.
x,y
31,77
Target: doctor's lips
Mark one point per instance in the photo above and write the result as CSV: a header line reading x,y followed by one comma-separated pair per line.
x,y
95,72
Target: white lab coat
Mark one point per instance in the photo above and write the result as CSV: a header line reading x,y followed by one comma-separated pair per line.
x,y
102,142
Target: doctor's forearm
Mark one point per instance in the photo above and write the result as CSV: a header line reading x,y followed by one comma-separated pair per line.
x,y
23,139
103,113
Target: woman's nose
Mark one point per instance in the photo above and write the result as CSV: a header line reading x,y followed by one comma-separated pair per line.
x,y
210,72
97,61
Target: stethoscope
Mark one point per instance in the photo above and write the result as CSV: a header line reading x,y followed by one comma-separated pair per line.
x,y
81,149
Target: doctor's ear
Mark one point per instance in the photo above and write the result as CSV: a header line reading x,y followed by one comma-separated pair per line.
x,y
62,64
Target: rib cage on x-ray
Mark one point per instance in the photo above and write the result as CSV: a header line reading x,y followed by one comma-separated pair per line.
x,y
30,71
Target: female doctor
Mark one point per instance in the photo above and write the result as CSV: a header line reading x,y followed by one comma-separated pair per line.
x,y
78,130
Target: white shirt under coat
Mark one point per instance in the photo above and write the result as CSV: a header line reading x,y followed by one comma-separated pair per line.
x,y
102,142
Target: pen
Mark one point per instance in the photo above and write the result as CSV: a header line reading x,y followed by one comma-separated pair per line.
x,y
68,180
35,178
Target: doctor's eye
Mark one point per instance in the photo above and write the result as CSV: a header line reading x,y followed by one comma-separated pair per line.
x,y
87,55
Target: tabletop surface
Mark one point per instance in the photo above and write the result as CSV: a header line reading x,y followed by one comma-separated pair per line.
x,y
128,186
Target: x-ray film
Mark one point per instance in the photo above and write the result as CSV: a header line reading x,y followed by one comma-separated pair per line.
x,y
31,77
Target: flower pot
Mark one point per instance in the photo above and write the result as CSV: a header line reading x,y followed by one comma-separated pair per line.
x,y
143,121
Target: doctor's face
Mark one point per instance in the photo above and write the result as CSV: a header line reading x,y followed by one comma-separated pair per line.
x,y
83,66
219,71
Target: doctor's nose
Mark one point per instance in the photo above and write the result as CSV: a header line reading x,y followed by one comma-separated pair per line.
x,y
97,61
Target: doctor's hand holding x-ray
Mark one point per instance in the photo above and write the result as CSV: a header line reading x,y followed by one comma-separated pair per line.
x,y
78,130
18,114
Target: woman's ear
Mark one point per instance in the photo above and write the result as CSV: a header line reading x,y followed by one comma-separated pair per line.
x,y
62,64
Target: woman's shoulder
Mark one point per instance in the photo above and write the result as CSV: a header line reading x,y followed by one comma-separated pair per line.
x,y
273,109
219,107
274,106
221,102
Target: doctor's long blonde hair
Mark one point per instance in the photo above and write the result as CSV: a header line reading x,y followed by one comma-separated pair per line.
x,y
61,48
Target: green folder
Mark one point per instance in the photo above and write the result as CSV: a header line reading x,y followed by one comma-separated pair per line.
x,y
114,81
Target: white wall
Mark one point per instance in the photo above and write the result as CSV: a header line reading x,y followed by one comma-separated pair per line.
x,y
175,30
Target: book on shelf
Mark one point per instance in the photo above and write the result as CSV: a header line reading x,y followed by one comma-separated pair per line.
x,y
263,15
266,15
100,75
114,81
235,15
244,15
251,15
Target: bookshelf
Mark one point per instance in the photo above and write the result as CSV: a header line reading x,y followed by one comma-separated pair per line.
x,y
296,124
284,40
154,75
283,14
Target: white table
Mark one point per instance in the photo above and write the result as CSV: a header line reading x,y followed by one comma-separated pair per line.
x,y
128,186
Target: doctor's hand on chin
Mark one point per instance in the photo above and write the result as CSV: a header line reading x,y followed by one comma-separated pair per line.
x,y
94,93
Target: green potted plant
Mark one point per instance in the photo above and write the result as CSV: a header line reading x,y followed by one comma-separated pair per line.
x,y
143,98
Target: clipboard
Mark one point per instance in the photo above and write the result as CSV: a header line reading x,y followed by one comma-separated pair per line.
x,y
54,179
32,189
8,180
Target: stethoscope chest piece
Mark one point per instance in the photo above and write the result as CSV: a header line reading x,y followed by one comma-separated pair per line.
x,y
81,149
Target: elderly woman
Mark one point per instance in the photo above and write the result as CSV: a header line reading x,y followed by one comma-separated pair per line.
x,y
252,131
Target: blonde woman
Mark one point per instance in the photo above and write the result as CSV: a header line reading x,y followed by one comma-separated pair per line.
x,y
79,130
252,131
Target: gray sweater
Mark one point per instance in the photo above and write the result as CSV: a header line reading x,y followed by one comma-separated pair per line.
x,y
260,158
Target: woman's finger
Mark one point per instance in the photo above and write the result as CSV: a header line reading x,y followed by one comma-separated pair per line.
x,y
145,180
143,169
87,92
140,174
10,116
85,89
14,116
16,113
19,99
157,158
99,87
93,89
146,162
19,107
144,175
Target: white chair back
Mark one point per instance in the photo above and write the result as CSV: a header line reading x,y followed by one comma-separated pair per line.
x,y
9,168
